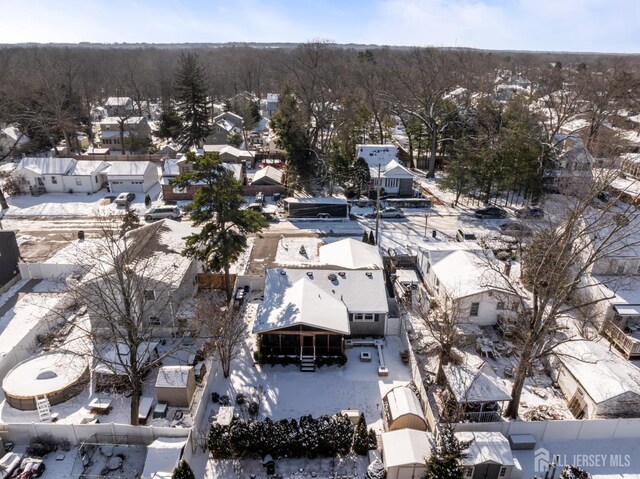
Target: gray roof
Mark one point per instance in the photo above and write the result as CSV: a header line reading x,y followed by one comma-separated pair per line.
x,y
268,176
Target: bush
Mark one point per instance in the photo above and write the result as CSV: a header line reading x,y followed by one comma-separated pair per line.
x,y
215,397
253,408
258,358
240,399
41,447
224,400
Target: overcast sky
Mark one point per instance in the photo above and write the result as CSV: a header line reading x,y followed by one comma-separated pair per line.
x,y
560,25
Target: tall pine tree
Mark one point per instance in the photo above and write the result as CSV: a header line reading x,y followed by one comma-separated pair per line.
x,y
191,95
444,462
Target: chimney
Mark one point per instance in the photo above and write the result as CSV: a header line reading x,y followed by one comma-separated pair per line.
x,y
507,268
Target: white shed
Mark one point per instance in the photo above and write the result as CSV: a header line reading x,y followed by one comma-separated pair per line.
x,y
132,176
402,410
175,385
405,453
488,455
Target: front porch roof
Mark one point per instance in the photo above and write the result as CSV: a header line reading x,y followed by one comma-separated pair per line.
x,y
300,303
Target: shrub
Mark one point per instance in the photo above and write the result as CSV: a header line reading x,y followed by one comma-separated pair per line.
x,y
240,399
258,357
361,437
253,408
215,397
224,400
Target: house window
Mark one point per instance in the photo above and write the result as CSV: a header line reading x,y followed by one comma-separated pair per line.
x,y
468,472
500,305
475,307
364,317
149,294
78,181
503,471
54,180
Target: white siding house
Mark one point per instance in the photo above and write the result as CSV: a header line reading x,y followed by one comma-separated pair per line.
x,y
132,176
86,176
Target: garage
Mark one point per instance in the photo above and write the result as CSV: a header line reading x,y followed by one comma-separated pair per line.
x,y
132,176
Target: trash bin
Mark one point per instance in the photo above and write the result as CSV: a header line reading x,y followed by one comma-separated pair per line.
x,y
269,464
434,233
81,235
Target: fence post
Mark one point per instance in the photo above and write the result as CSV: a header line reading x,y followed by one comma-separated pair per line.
x,y
75,435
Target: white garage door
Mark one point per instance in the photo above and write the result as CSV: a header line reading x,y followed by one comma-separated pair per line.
x,y
118,186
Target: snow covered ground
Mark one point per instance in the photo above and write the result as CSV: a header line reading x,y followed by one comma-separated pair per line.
x,y
289,251
73,204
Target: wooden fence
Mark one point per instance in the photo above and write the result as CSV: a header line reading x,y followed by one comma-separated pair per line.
x,y
211,281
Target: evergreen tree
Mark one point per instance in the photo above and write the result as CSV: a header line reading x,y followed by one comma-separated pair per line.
x,y
147,200
361,437
444,462
183,471
191,95
130,220
574,472
216,208
372,239
170,122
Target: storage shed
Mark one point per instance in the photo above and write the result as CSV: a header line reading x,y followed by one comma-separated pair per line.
x,y
175,385
488,456
268,176
402,410
405,453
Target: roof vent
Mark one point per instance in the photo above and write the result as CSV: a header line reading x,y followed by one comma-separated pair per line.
x,y
310,274
369,274
342,274
332,277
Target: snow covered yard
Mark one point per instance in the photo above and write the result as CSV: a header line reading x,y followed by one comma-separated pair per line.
x,y
73,204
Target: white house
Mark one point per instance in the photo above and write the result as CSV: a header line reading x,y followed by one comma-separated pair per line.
x,y
12,138
60,175
459,273
132,176
376,155
118,105
395,179
86,176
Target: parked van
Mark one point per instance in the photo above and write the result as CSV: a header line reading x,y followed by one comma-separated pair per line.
x,y
464,235
162,212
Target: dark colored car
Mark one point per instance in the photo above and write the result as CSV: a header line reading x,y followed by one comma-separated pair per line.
x,y
125,198
533,212
511,228
490,212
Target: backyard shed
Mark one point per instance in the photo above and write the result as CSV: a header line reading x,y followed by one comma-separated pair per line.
x,y
405,453
268,176
488,456
402,410
596,382
175,385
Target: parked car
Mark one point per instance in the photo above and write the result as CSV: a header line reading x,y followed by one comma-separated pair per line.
x,y
125,198
391,212
512,228
490,212
465,235
163,212
534,212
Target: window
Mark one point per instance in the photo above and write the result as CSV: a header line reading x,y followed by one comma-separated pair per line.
x,y
78,181
96,179
503,471
365,317
500,305
149,294
468,472
54,180
475,307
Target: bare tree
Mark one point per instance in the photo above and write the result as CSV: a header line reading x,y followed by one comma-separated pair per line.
x,y
226,327
127,292
558,270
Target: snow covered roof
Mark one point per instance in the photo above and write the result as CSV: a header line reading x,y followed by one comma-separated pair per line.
x,y
87,167
272,97
228,149
15,134
406,447
114,120
228,116
236,169
46,166
117,101
463,272
402,400
163,456
393,169
173,376
602,374
288,302
351,254
268,176
129,168
115,359
475,384
407,276
485,447
361,291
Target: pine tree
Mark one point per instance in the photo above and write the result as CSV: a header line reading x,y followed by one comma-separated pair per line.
x,y
216,208
444,462
170,122
183,471
372,239
130,220
191,95
361,437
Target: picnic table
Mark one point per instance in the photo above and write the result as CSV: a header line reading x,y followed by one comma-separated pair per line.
x,y
144,408
100,406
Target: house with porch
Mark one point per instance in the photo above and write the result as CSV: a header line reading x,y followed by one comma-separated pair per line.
x,y
394,180
64,175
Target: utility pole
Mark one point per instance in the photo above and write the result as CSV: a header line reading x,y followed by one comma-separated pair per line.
x,y
378,208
